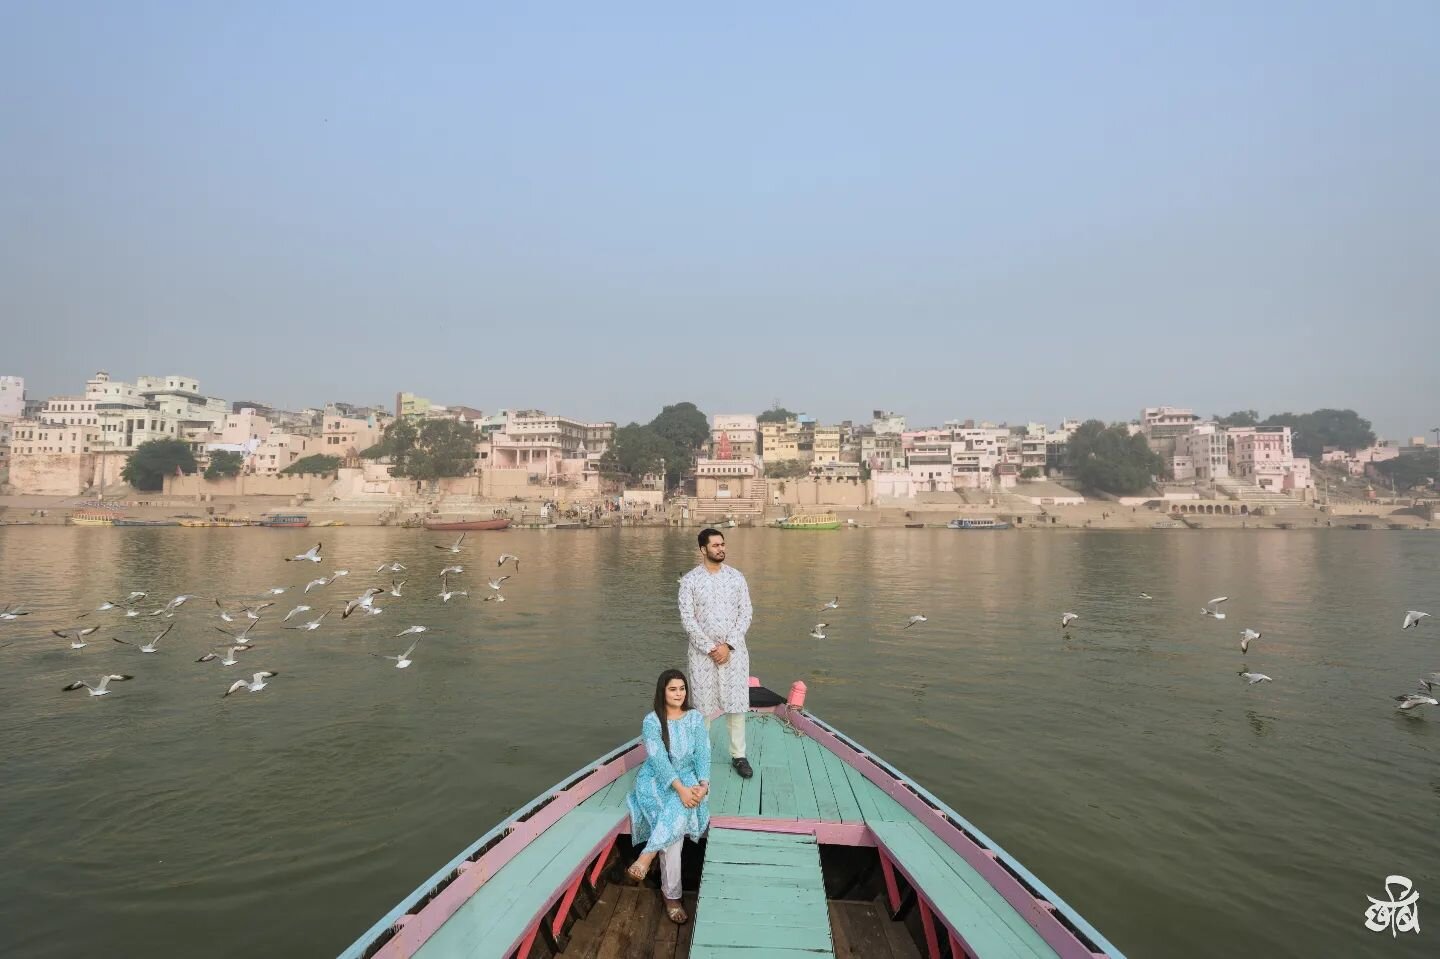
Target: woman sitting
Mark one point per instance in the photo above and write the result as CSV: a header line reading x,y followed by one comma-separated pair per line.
x,y
669,800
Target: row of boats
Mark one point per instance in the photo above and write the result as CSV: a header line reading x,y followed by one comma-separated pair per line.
x,y
103,517
820,521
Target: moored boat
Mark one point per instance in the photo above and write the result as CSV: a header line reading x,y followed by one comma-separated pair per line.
x,y
824,836
285,520
219,523
810,521
146,522
93,517
977,522
468,525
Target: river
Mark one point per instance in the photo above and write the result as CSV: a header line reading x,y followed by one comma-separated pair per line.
x,y
1183,812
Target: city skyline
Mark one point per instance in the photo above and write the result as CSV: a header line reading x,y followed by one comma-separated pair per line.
x,y
1011,214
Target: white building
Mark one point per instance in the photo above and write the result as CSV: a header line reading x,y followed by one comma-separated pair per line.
x,y
12,397
1203,454
884,421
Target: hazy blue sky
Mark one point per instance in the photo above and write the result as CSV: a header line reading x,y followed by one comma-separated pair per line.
x,y
951,210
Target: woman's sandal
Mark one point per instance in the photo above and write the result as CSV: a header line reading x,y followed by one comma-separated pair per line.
x,y
635,878
676,913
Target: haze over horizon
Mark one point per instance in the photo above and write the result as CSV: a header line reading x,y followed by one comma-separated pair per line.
x,y
951,213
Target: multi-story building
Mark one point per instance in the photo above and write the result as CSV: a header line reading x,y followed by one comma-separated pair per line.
x,y
546,444
780,442
55,459
826,445
1163,425
12,397
884,421
737,433
882,451
348,437
281,449
408,404
1264,456
1203,454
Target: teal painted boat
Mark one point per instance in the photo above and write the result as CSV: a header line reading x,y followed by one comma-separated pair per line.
x,y
146,522
826,849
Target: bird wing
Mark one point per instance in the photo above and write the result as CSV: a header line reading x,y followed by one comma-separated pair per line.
x,y
238,684
1218,599
406,654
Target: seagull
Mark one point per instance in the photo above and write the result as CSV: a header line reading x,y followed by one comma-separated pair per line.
x,y
10,613
147,647
1431,681
446,592
365,600
238,637
256,683
100,688
253,612
1146,596
174,604
508,557
338,573
135,596
1067,618
833,604
76,635
817,633
495,584
1247,636
1423,698
1412,618
229,657
313,624
412,630
1207,611
917,618
297,609
456,547
395,587
311,555
403,659
452,569
322,581
223,614
392,567
1253,678
495,597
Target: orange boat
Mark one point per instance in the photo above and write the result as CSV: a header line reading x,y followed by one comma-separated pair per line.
x,y
468,525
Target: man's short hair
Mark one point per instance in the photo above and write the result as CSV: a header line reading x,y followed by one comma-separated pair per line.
x,y
708,532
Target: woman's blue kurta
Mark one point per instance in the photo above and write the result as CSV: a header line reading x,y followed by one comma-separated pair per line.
x,y
657,816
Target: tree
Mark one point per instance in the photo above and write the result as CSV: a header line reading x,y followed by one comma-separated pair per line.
x,y
1410,470
224,463
787,469
638,450
1239,418
684,425
1109,459
315,463
1030,473
154,460
1312,433
435,449
777,415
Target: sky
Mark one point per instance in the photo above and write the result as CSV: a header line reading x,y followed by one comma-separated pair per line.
x,y
990,211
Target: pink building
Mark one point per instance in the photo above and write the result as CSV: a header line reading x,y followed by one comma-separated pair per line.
x,y
279,450
346,436
1263,456
239,428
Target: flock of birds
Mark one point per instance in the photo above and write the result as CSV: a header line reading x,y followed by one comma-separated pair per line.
x,y
1423,696
249,611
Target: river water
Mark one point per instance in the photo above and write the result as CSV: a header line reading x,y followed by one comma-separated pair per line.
x,y
1183,812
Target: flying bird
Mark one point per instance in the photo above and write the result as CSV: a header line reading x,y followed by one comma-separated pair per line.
x,y
256,683
917,618
508,557
10,613
818,631
322,581
1412,618
1253,678
275,590
313,624
412,630
1423,698
833,604
229,654
99,689
495,584
455,548
1212,608
392,567
147,647
297,609
1247,636
451,569
1146,596
76,635
1067,618
338,573
403,659
446,592
395,587
311,555
365,600
238,637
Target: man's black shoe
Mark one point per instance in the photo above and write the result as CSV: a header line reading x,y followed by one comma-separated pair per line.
x,y
742,766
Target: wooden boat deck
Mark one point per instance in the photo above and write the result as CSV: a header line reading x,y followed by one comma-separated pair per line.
x,y
801,796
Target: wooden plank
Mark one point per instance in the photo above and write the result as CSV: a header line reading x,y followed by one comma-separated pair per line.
x,y
874,802
724,781
698,951
844,795
858,932
736,891
766,874
619,936
756,742
981,915
816,939
759,836
806,806
762,855
649,917
820,779
588,933
777,793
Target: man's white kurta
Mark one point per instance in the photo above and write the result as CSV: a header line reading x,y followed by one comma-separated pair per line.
x,y
715,609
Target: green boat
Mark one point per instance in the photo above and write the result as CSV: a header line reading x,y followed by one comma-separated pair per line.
x,y
828,851
810,521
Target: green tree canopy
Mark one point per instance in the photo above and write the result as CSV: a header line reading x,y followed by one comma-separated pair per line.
x,y
154,460
1109,459
684,425
638,450
1411,470
1311,433
1239,418
431,450
778,414
224,463
315,463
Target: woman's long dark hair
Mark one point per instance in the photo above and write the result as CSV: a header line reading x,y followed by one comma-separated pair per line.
x,y
660,707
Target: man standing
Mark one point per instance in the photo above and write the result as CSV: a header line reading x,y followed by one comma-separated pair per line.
x,y
715,611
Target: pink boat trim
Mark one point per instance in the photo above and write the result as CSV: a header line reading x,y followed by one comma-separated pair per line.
x,y
826,833
1037,912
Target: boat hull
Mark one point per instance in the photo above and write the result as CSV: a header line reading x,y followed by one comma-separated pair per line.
x,y
469,525
971,526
